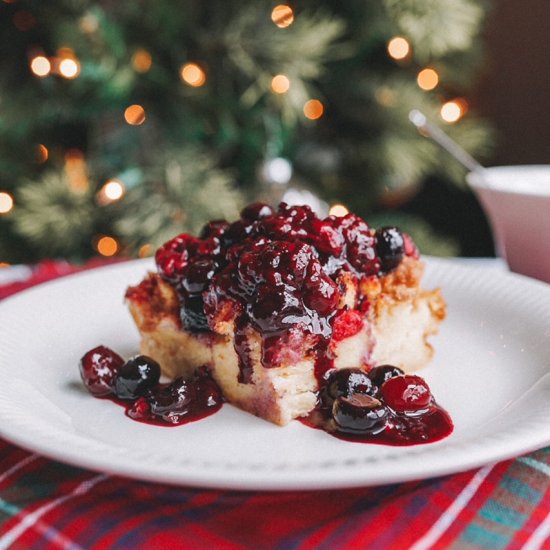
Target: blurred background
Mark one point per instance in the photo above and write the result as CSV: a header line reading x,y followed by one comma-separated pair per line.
x,y
125,123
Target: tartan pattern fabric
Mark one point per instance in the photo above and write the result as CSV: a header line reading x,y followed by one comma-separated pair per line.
x,y
48,505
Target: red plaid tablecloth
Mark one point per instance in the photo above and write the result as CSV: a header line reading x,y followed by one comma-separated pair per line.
x,y
46,504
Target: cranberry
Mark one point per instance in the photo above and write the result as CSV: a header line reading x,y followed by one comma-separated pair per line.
x,y
359,414
274,308
136,376
381,373
214,229
98,370
172,402
390,246
406,393
346,323
256,211
320,291
172,257
198,274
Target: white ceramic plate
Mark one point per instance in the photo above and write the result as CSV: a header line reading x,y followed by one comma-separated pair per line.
x,y
489,371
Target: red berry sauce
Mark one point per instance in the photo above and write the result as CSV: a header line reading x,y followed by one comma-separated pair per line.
x,y
278,270
134,384
384,406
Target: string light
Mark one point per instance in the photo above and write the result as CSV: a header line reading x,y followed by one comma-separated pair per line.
x,y
107,246
193,75
398,48
41,66
6,202
145,250
134,115
69,68
282,15
338,210
75,168
280,84
313,109
112,191
452,111
427,79
42,153
142,60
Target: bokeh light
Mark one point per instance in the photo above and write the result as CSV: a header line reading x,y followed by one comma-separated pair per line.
x,y
107,246
145,250
41,66
69,68
134,115
6,202
452,111
112,191
427,79
142,60
398,48
193,75
280,84
338,210
282,15
313,109
42,153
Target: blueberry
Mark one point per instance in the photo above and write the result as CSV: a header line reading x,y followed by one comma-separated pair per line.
x,y
380,374
192,314
390,247
347,382
172,402
138,375
359,414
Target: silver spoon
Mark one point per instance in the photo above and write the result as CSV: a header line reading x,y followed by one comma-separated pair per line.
x,y
442,139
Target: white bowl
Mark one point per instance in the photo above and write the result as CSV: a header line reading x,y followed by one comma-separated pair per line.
x,y
516,200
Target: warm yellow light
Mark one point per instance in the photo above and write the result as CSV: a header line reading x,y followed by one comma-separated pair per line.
x,y
280,84
112,191
135,115
69,68
107,246
43,153
427,79
338,210
313,109
451,111
398,48
4,264
142,61
6,202
41,66
193,75
145,250
282,15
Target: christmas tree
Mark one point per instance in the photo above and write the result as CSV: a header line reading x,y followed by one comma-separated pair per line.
x,y
125,123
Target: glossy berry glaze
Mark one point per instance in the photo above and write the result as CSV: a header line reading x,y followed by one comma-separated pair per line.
x,y
134,384
382,406
277,272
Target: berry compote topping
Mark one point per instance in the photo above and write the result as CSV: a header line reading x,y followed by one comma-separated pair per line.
x,y
381,406
135,385
279,271
98,370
